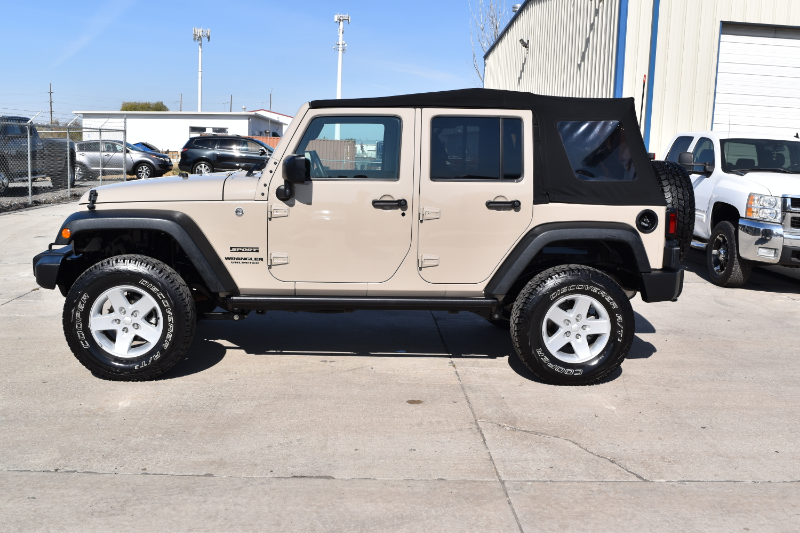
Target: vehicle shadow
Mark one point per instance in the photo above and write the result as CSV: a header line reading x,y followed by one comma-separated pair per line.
x,y
760,280
384,334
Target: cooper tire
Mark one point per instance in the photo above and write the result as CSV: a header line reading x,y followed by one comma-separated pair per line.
x,y
582,307
676,185
725,267
119,343
202,167
144,171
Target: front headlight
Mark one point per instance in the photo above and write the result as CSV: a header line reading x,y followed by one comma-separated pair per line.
x,y
762,207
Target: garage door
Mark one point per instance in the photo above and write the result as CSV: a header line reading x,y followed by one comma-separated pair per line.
x,y
758,80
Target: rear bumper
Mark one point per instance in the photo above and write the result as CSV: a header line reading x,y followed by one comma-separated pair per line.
x,y
661,285
47,264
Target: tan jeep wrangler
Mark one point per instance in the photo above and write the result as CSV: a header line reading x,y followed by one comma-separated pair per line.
x,y
543,215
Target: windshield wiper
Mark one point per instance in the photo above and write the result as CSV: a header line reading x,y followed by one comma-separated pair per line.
x,y
777,169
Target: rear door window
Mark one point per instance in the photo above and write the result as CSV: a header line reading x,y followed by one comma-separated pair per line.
x,y
598,150
229,144
681,144
476,148
208,144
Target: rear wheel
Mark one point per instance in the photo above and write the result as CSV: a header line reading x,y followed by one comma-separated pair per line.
x,y
202,167
678,192
572,325
5,181
129,318
725,267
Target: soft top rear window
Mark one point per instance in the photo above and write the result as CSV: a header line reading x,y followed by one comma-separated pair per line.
x,y
598,150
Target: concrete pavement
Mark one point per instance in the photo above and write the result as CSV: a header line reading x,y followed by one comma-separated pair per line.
x,y
402,421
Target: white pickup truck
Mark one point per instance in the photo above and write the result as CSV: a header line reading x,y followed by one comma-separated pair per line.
x,y
747,197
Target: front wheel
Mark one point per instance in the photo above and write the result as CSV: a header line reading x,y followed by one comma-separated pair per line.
x,y
725,267
144,171
129,318
572,325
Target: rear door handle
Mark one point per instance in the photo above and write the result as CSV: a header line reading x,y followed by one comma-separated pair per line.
x,y
495,204
389,203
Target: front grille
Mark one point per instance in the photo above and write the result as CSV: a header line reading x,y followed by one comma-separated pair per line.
x,y
795,222
795,202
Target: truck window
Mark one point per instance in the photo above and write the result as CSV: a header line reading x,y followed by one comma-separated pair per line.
x,y
681,144
704,152
358,147
598,150
470,148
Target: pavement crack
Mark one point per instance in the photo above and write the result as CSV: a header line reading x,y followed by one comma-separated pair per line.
x,y
478,426
18,297
587,450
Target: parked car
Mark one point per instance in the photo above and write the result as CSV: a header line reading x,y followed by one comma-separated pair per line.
x,y
147,147
207,154
140,163
48,157
747,196
458,211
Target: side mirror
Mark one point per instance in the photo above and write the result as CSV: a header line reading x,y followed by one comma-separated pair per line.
x,y
296,169
686,159
708,169
262,151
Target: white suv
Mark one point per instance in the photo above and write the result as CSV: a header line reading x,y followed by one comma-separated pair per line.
x,y
747,197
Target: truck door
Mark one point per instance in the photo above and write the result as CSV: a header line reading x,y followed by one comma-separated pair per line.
x,y
476,191
703,185
352,221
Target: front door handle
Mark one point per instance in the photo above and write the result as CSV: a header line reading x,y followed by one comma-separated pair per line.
x,y
379,204
508,204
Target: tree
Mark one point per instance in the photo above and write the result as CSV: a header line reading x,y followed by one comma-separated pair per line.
x,y
143,106
487,22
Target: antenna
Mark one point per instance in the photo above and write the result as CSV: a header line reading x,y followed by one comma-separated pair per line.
x,y
197,35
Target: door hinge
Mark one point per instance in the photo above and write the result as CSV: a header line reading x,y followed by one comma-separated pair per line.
x,y
429,213
427,260
278,258
278,211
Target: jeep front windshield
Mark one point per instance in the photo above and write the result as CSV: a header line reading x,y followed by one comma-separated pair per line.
x,y
753,155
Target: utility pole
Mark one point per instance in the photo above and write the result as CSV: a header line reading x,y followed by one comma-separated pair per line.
x,y
181,107
51,103
197,35
230,108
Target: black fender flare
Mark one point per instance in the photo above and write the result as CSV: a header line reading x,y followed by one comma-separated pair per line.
x,y
536,239
179,226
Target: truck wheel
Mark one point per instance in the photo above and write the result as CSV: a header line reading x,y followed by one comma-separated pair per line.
x,y
129,318
144,171
725,266
572,325
81,172
202,167
678,192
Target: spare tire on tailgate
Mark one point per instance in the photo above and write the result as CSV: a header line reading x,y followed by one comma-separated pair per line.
x,y
677,188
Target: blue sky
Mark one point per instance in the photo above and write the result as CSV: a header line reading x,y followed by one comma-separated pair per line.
x,y
98,54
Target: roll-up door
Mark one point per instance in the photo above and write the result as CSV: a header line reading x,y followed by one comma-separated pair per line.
x,y
758,80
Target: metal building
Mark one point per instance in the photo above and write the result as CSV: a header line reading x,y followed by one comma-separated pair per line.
x,y
710,64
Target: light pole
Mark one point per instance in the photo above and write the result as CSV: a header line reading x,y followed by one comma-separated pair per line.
x,y
197,35
340,47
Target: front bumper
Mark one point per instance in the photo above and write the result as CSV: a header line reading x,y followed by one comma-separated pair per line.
x,y
47,264
768,238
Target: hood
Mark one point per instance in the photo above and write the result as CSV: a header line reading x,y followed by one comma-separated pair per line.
x,y
777,183
169,189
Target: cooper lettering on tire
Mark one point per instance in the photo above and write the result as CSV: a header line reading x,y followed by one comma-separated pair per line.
x,y
129,318
572,325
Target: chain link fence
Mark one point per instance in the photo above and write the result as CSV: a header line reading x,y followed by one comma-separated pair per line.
x,y
44,163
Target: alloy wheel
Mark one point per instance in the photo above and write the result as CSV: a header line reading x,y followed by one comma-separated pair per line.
x,y
126,322
719,254
202,168
576,328
143,172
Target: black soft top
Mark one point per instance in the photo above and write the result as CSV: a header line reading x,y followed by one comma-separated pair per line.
x,y
554,179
